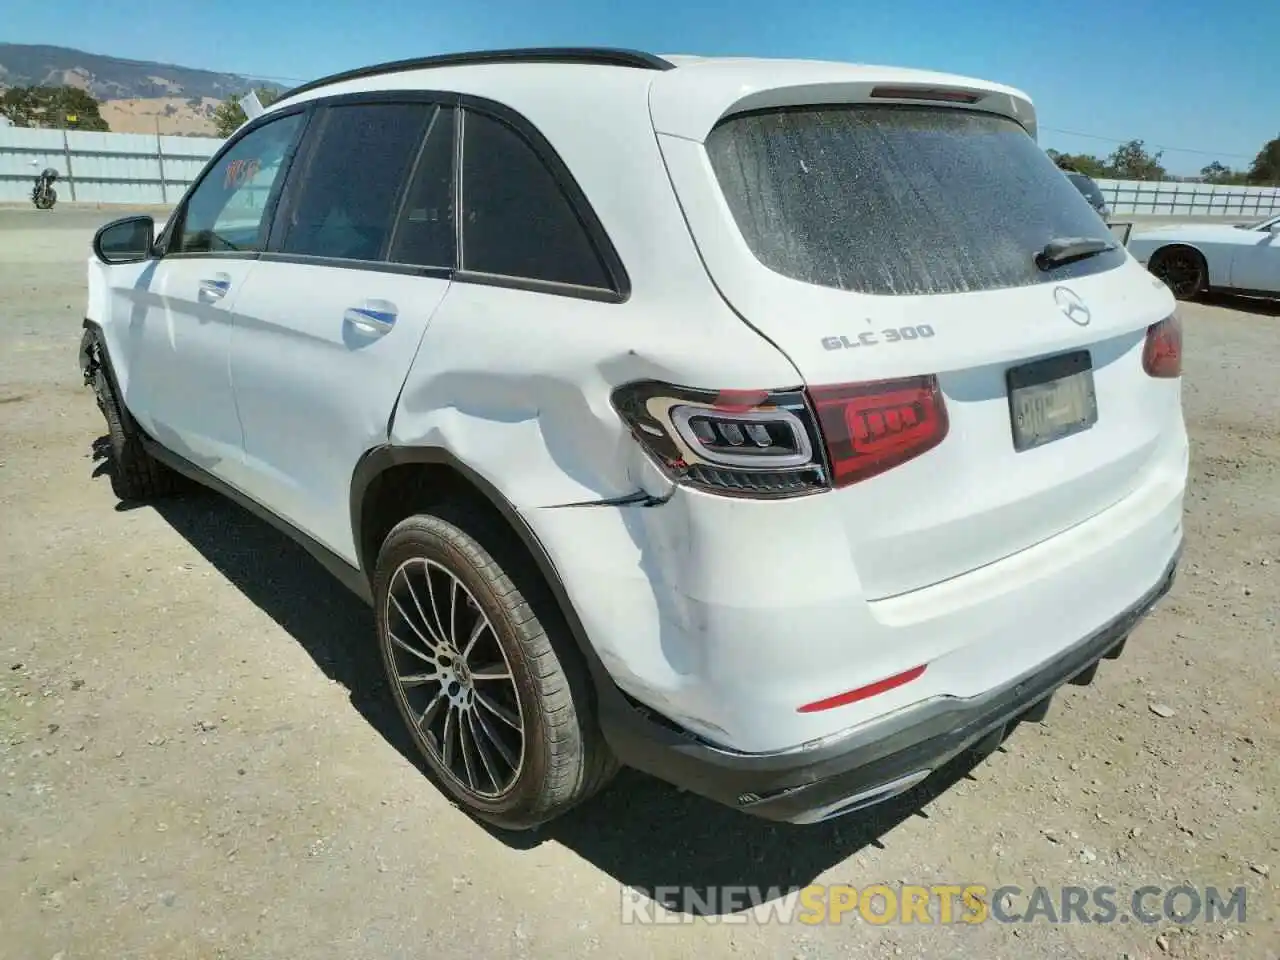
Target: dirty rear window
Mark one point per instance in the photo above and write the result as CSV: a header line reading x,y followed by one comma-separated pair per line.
x,y
899,200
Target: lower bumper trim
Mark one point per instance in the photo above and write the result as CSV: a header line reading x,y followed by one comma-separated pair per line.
x,y
870,764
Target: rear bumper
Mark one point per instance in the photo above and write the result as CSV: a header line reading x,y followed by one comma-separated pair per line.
x,y
867,764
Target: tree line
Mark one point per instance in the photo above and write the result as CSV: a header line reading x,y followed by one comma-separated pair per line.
x,y
58,108
1132,161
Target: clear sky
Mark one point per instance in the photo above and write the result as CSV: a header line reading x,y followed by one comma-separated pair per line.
x,y
1201,80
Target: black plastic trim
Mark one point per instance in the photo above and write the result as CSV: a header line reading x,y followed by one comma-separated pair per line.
x,y
371,266
347,575
599,56
789,785
598,294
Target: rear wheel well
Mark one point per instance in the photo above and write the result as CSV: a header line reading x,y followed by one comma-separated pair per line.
x,y
1169,248
405,489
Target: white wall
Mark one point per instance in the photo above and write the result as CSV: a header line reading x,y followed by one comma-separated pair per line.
x,y
101,167
1161,198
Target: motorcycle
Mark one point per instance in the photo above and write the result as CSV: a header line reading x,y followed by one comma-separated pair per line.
x,y
42,194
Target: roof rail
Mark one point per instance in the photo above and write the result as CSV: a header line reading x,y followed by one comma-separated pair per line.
x,y
603,56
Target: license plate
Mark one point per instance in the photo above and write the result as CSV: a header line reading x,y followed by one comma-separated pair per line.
x,y
1051,399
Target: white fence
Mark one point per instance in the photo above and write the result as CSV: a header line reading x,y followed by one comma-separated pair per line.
x,y
142,168
1170,199
102,167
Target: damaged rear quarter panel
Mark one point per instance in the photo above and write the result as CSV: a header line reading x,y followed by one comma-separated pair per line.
x,y
516,384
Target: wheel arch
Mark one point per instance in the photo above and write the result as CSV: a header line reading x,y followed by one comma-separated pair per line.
x,y
1188,245
391,482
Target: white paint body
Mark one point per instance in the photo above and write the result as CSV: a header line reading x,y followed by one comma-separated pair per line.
x,y
1244,258
723,614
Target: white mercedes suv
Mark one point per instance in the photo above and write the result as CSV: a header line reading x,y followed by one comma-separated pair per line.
x,y
779,428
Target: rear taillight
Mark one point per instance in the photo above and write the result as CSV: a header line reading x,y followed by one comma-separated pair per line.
x,y
871,427
747,443
783,443
1162,353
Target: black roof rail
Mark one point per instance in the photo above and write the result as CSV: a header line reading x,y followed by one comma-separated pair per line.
x,y
603,56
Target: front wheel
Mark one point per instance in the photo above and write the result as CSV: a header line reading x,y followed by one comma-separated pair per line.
x,y
45,199
1183,271
501,715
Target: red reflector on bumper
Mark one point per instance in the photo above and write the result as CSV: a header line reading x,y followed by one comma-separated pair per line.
x,y
862,693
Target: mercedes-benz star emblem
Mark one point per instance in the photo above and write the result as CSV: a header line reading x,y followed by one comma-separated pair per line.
x,y
1072,306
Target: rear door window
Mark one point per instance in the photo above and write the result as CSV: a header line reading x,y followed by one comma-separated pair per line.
x,y
342,200
427,232
898,200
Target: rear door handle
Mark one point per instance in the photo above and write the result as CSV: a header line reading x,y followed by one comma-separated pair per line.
x,y
216,287
375,317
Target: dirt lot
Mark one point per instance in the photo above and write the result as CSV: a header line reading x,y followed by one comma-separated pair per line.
x,y
196,759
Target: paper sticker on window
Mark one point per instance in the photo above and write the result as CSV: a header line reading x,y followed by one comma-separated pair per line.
x,y
240,172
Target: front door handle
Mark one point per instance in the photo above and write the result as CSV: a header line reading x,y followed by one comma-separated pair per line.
x,y
216,287
375,317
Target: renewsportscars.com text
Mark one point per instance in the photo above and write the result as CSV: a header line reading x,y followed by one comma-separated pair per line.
x,y
970,903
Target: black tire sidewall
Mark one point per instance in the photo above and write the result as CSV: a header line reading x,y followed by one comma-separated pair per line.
x,y
433,538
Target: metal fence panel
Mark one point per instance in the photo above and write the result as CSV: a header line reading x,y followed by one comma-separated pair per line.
x,y
145,168
102,167
1167,198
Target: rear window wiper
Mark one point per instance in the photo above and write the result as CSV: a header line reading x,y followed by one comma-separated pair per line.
x,y
1067,249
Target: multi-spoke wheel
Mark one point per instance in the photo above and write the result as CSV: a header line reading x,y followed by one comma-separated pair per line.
x,y
1182,269
500,712
455,679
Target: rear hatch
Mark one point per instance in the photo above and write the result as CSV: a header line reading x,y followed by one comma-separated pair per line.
x,y
874,241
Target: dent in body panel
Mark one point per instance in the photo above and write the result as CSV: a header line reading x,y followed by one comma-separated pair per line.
x,y
517,386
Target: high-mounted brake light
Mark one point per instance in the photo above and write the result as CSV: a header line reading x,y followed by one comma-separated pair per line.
x,y
871,427
763,443
939,94
1162,352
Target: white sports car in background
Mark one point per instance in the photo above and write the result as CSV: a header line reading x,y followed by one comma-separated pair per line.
x,y
1194,257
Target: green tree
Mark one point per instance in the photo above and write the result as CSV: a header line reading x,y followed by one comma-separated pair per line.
x,y
52,107
1132,162
1266,165
1090,166
229,115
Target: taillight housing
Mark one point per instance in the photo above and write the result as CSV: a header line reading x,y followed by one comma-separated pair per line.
x,y
872,427
783,443
1162,352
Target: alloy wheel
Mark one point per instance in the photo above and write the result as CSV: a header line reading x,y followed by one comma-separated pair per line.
x,y
453,679
1181,273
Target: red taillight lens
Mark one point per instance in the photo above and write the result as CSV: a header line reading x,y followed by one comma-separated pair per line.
x,y
1162,353
870,427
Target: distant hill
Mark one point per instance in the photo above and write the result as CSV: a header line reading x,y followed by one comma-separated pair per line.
x,y
113,78
137,95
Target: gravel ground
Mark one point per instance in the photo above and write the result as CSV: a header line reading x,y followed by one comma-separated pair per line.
x,y
197,759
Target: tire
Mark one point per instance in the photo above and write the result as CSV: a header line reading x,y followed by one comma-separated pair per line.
x,y
135,474
1182,269
460,716
45,200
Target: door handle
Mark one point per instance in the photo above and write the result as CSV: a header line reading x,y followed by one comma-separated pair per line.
x,y
375,317
216,287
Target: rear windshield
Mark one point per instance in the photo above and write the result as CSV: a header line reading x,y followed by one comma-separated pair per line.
x,y
900,200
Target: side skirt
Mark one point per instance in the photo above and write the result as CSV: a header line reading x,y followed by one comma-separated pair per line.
x,y
349,576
